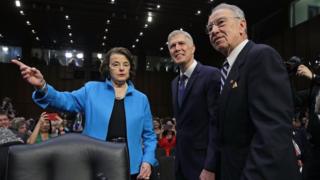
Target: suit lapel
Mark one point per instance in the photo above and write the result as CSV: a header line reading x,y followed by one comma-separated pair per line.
x,y
234,76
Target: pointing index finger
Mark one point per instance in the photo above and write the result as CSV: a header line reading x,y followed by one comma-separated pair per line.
x,y
19,63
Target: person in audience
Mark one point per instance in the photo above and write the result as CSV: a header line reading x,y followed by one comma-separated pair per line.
x,y
114,110
157,128
168,140
195,94
21,128
7,138
312,99
42,131
6,134
7,106
255,106
4,120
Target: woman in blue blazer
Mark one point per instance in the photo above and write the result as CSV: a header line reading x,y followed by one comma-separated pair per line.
x,y
114,110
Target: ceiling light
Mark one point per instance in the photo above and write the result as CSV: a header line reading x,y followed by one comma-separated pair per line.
x,y
167,43
149,13
70,34
1,36
67,17
99,56
69,26
133,46
79,55
141,34
137,40
5,49
104,37
158,6
149,19
145,25
108,21
54,41
106,30
211,0
18,4
33,31
113,1
71,41
198,12
37,38
68,55
28,23
161,49
181,29
22,13
103,44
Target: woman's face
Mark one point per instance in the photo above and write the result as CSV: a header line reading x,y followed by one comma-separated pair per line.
x,y
45,126
23,129
119,68
156,124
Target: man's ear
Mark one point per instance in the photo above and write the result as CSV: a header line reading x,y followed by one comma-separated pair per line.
x,y
193,49
243,26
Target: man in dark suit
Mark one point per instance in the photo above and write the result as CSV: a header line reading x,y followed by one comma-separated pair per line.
x,y
255,105
194,95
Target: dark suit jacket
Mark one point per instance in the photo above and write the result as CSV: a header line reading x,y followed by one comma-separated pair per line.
x,y
196,121
255,115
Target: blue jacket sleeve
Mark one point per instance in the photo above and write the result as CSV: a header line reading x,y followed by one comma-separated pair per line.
x,y
67,101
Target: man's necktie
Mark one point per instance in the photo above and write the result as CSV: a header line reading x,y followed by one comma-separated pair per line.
x,y
181,88
224,72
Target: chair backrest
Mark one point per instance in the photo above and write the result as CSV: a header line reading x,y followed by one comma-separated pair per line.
x,y
69,157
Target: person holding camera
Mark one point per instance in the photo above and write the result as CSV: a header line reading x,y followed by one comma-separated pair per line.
x,y
312,154
42,130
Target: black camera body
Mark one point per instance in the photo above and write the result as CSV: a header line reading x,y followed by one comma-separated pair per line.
x,y
292,65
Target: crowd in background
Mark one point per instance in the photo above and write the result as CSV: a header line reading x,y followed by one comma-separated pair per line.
x,y
49,125
31,131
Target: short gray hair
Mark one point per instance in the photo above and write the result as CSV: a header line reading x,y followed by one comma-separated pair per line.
x,y
176,32
235,9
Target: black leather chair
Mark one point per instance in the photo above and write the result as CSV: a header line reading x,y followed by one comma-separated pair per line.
x,y
69,157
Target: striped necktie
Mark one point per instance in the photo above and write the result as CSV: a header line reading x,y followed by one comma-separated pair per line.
x,y
224,73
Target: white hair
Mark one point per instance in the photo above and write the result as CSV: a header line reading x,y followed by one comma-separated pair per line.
x,y
235,9
176,32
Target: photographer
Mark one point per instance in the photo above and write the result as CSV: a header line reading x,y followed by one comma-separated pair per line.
x,y
312,156
42,130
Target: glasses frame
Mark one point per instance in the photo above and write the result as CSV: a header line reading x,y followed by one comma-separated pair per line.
x,y
220,22
117,65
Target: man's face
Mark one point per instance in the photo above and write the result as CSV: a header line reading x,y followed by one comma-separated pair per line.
x,y
4,121
181,49
225,30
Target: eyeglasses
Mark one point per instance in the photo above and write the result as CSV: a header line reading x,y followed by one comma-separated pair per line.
x,y
219,23
117,65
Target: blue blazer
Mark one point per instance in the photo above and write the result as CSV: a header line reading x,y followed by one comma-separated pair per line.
x,y
96,100
196,121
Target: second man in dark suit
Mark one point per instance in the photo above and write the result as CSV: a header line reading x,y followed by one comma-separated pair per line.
x,y
194,95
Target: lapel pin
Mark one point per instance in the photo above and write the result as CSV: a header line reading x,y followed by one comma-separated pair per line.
x,y
233,84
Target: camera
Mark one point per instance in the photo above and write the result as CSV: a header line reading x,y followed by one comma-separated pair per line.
x,y
294,62
52,116
292,65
